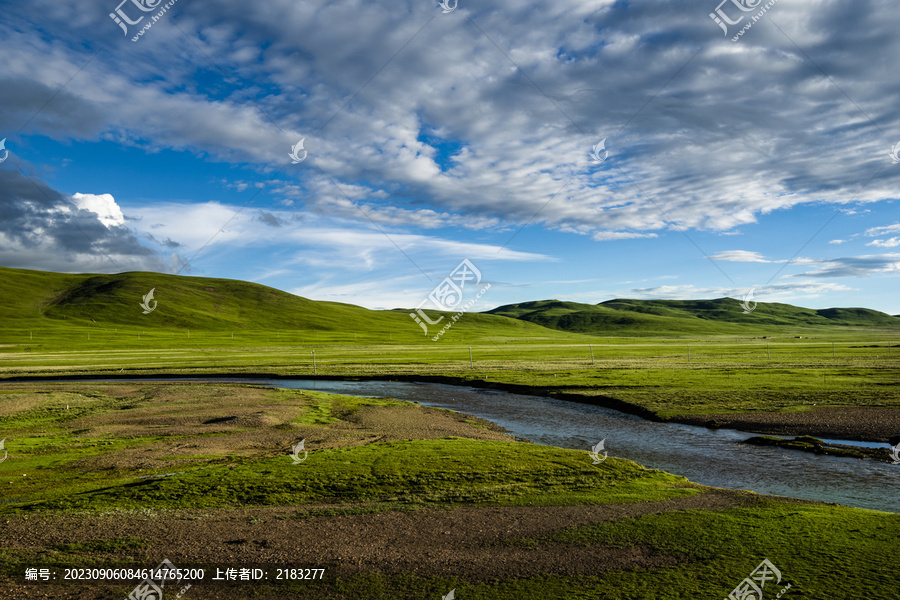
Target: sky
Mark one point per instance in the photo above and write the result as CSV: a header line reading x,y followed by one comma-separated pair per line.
x,y
581,150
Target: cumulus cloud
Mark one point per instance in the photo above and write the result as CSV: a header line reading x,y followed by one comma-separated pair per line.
x,y
103,205
41,228
432,122
420,126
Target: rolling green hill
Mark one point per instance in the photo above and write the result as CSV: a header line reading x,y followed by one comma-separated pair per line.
x,y
37,299
664,317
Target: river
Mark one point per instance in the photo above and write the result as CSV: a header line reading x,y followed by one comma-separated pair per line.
x,y
707,456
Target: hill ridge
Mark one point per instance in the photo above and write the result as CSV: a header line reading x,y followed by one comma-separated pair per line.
x,y
685,316
30,298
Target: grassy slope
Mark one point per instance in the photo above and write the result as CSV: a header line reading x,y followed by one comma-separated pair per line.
x,y
36,299
39,299
676,317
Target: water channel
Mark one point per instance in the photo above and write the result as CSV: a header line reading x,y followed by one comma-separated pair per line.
x,y
706,456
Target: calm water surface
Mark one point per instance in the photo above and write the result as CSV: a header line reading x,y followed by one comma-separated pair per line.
x,y
705,456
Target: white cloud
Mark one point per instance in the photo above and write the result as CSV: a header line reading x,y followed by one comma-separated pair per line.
x,y
620,235
877,231
102,205
307,238
888,243
706,151
779,292
431,130
40,228
852,266
740,256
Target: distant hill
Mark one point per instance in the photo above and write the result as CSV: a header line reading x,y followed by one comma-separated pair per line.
x,y
43,299
655,317
56,300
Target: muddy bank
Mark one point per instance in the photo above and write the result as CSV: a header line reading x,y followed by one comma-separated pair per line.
x,y
868,424
807,443
530,390
864,424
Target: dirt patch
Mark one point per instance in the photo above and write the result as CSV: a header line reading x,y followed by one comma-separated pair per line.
x,y
473,543
237,420
835,422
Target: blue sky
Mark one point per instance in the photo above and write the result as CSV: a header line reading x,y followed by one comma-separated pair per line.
x,y
762,163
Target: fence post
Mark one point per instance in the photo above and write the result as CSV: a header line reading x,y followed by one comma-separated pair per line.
x,y
592,353
767,350
471,364
314,362
689,352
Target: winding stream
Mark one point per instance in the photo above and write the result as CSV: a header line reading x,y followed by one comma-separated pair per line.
x,y
705,456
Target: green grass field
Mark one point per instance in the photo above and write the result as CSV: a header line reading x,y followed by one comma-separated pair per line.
x,y
61,469
712,358
85,451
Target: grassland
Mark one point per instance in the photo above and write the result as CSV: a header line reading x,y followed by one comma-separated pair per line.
x,y
393,501
714,360
403,502
654,378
